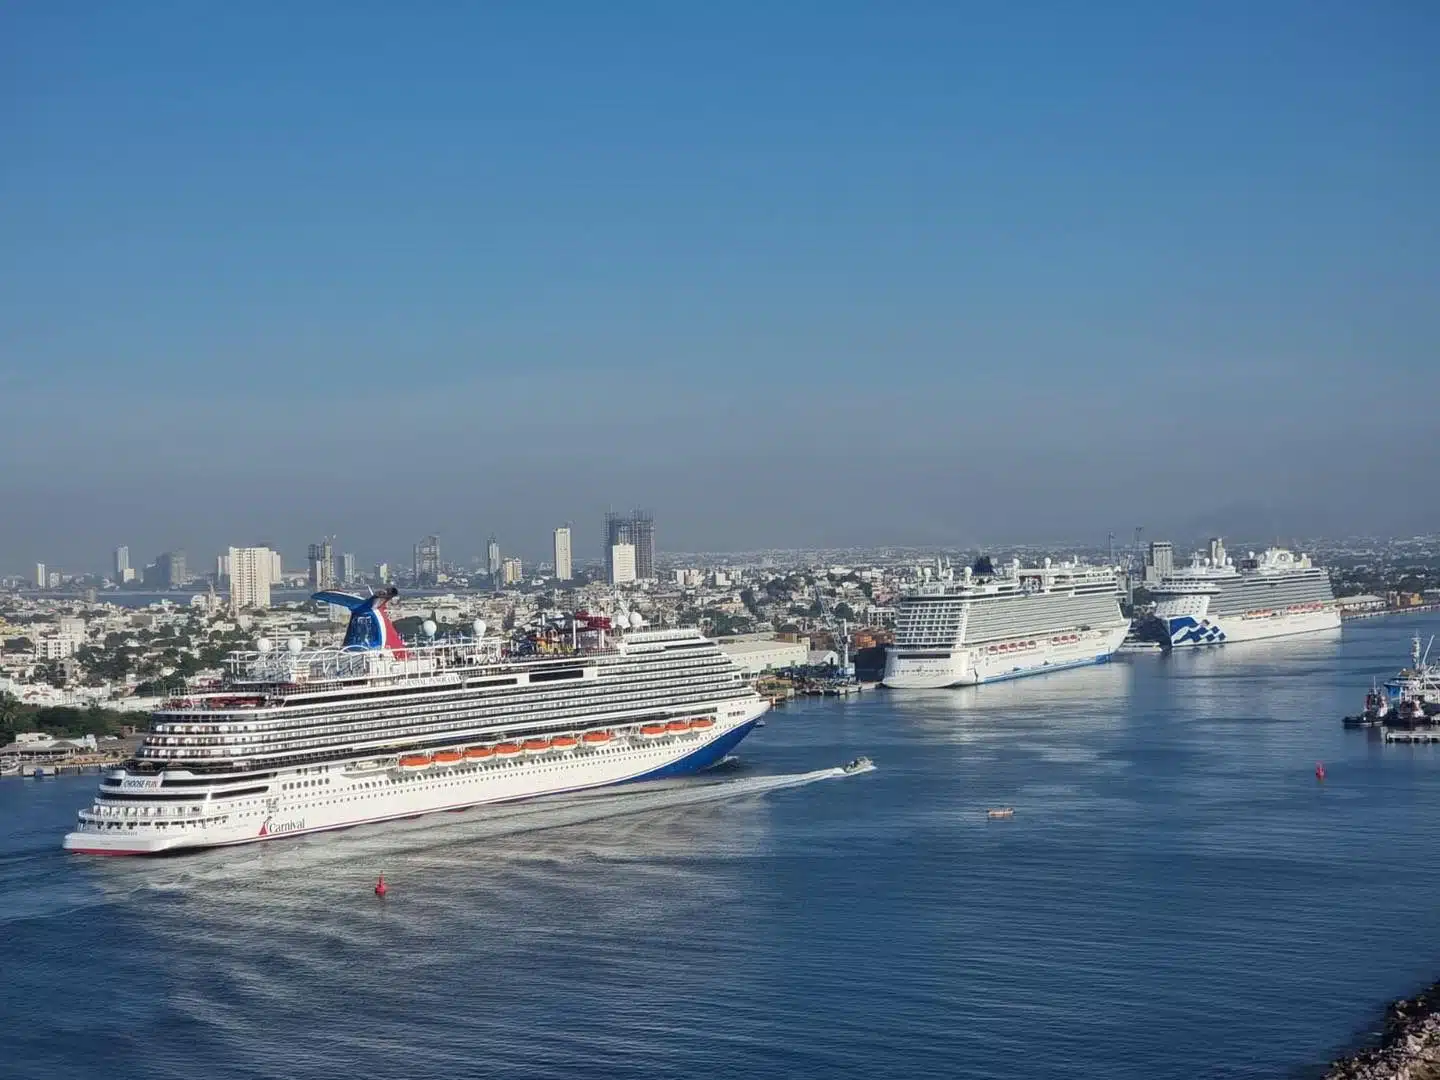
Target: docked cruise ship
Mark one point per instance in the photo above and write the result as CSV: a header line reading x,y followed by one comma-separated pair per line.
x,y
1018,621
298,740
1213,601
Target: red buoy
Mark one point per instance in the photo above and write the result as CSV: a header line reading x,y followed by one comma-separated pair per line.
x,y
1319,770
380,887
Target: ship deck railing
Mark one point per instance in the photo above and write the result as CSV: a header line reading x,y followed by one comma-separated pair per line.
x,y
281,674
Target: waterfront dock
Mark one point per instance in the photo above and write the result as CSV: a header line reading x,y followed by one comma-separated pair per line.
x,y
1428,736
67,767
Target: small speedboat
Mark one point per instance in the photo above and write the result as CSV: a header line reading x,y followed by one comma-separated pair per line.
x,y
1000,812
860,764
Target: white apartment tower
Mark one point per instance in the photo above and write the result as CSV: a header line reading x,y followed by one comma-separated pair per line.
x,y
122,563
250,578
622,564
41,580
564,571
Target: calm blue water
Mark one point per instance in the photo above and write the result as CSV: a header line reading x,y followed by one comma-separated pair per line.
x,y
1176,896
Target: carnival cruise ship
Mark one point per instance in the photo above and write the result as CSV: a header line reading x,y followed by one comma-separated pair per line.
x,y
1213,601
1018,621
299,740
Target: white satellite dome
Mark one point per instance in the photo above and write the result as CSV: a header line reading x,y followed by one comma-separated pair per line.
x,y
264,645
479,628
636,620
294,644
429,627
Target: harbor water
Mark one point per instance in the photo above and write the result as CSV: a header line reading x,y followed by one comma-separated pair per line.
x,y
1176,895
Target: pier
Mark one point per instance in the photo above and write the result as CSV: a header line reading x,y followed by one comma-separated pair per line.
x,y
1430,736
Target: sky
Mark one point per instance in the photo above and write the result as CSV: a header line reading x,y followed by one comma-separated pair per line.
x,y
802,274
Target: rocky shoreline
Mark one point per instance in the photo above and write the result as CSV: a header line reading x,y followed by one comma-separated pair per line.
x,y
1409,1043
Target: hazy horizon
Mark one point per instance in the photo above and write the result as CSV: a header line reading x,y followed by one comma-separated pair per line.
x,y
790,278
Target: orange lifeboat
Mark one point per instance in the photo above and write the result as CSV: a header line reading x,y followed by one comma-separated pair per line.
x,y
415,762
478,753
677,727
537,746
564,742
507,749
700,723
593,738
653,731
449,758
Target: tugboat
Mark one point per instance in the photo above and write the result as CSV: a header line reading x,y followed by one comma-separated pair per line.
x,y
1376,711
1410,700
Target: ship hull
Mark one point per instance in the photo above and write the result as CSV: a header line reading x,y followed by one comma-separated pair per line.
x,y
1188,631
974,665
350,798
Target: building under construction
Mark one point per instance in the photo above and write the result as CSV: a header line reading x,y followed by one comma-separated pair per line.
x,y
636,528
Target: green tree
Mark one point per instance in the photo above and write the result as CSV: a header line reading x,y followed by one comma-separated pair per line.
x,y
10,712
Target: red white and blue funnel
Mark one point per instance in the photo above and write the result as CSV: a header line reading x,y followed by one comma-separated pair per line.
x,y
370,626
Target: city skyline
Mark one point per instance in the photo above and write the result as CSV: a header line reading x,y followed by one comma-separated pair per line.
x,y
981,283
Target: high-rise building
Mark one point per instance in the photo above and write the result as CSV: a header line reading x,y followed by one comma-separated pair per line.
x,y
637,530
1160,560
622,564
41,578
347,567
492,556
642,535
382,573
222,567
322,565
122,562
170,570
250,578
511,571
563,569
427,561
277,567
617,531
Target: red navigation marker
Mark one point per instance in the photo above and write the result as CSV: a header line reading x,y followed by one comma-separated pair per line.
x,y
1319,770
380,887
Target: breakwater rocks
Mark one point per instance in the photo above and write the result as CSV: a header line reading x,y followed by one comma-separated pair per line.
x,y
1409,1044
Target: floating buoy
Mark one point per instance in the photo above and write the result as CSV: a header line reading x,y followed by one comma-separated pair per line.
x,y
380,887
1319,770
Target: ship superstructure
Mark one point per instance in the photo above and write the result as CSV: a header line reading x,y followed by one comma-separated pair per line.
x,y
301,740
1273,594
1018,621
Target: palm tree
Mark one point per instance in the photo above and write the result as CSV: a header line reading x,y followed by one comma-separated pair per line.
x,y
10,709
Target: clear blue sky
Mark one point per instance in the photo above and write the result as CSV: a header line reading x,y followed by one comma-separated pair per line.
x,y
788,274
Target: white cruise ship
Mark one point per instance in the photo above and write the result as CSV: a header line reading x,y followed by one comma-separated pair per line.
x,y
300,740
1213,601
1019,621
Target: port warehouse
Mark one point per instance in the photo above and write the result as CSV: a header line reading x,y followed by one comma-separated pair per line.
x,y
758,654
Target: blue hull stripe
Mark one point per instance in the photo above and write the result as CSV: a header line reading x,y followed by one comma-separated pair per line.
x,y
703,758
